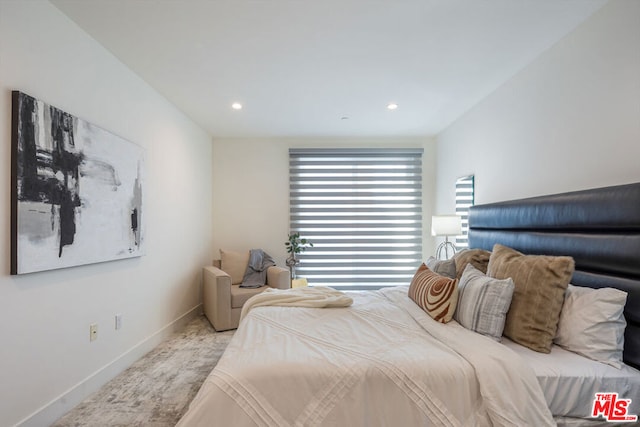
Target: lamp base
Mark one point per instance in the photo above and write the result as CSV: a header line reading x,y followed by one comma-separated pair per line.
x,y
444,247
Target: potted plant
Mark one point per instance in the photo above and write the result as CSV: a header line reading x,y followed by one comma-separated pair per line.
x,y
295,245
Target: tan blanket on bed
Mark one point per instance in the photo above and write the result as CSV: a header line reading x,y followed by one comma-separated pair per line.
x,y
314,297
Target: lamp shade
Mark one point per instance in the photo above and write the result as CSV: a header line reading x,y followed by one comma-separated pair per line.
x,y
446,225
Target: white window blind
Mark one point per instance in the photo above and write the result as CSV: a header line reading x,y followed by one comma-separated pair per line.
x,y
464,200
362,210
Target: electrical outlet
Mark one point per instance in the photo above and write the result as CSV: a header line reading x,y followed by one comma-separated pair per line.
x,y
118,321
93,332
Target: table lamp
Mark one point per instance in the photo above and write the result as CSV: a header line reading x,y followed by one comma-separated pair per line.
x,y
446,225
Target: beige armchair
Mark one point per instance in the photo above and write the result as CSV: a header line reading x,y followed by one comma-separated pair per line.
x,y
223,300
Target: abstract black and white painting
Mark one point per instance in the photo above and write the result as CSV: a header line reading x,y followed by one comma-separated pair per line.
x,y
76,190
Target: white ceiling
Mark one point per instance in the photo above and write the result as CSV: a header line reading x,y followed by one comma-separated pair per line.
x,y
299,66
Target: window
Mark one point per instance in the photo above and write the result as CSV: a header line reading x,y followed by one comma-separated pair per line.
x,y
464,200
362,210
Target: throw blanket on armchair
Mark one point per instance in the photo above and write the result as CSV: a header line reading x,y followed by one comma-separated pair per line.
x,y
316,296
256,274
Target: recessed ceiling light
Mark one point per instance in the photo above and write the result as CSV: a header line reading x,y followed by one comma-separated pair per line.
x,y
392,106
236,106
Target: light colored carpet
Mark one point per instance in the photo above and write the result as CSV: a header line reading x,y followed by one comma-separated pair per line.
x,y
157,389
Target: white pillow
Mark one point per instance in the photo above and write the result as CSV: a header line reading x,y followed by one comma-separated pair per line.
x,y
592,323
483,302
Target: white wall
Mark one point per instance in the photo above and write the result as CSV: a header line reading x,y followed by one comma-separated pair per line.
x,y
251,188
568,121
45,353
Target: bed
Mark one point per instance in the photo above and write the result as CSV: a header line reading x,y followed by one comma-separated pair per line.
x,y
383,361
600,229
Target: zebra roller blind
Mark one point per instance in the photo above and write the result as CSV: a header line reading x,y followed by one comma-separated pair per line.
x,y
362,210
464,201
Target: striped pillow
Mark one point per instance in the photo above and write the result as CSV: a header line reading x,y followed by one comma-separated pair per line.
x,y
483,302
435,294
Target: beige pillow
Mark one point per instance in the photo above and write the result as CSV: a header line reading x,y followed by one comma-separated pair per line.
x,y
234,264
435,294
592,323
479,258
540,282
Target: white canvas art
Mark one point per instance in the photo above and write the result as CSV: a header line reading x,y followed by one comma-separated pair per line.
x,y
77,190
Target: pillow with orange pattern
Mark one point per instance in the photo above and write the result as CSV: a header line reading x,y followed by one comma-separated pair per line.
x,y
437,295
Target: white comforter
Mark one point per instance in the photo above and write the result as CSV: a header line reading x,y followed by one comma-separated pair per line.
x,y
380,362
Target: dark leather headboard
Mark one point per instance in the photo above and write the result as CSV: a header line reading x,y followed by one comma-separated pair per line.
x,y
599,228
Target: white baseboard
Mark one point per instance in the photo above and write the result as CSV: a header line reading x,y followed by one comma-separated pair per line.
x,y
59,406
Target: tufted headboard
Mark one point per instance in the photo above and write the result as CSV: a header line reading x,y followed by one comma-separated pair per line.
x,y
599,228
